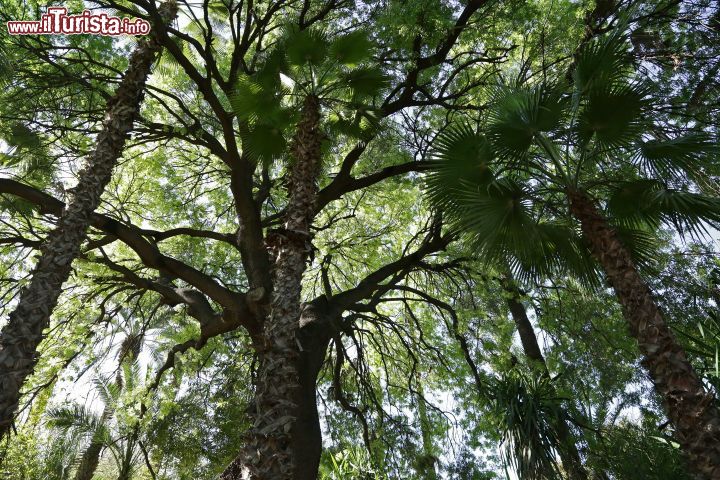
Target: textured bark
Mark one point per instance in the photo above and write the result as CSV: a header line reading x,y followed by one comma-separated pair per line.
x,y
91,456
569,453
268,451
428,460
690,408
23,333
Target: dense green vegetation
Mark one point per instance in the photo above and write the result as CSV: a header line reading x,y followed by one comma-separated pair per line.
x,y
398,239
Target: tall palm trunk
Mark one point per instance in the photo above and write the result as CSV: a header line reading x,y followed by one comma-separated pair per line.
x,y
23,333
690,408
90,459
91,456
568,452
268,450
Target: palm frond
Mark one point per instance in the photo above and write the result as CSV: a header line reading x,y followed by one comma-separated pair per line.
x,y
264,142
642,243
305,47
74,417
527,410
612,115
649,202
271,65
518,114
365,82
602,62
106,388
461,158
499,223
252,101
351,49
675,157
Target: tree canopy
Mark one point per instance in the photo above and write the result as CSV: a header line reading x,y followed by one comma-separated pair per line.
x,y
359,239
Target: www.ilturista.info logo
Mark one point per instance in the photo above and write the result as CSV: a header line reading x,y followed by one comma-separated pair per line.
x,y
56,21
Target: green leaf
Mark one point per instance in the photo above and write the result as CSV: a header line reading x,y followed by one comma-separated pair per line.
x,y
264,142
304,47
649,202
602,62
613,117
253,102
22,137
366,81
268,74
671,158
518,114
351,49
461,158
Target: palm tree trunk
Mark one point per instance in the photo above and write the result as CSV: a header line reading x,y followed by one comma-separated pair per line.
x,y
90,459
91,456
569,453
23,333
268,450
427,461
690,408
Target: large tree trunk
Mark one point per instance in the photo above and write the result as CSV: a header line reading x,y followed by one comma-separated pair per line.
x,y
23,333
690,408
269,451
568,452
313,337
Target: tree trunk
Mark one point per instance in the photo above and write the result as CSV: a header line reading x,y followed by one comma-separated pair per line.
x,y
313,337
690,408
91,456
23,333
129,351
568,452
268,452
428,461
89,461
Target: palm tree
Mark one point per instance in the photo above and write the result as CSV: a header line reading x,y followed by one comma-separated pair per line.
x,y
128,353
528,413
305,72
568,174
565,446
101,431
21,336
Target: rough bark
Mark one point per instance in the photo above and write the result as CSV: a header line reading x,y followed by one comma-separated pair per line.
x,y
568,453
23,333
268,450
690,408
90,458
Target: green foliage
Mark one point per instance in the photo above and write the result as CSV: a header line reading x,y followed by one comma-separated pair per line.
x,y
308,62
351,462
517,115
528,411
504,124
540,145
633,451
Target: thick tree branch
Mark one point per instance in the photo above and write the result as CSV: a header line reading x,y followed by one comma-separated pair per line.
x,y
133,237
